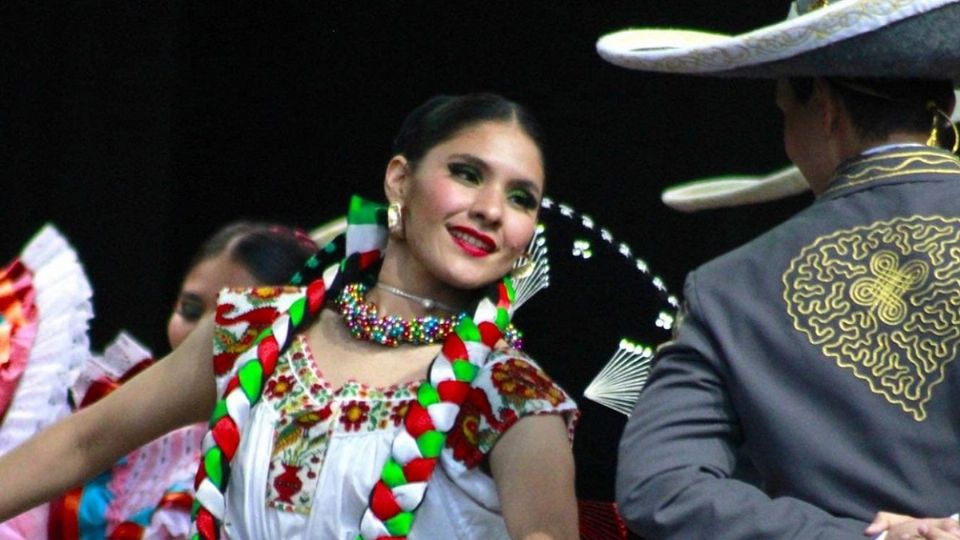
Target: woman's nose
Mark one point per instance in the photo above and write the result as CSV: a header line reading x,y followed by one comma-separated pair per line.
x,y
488,205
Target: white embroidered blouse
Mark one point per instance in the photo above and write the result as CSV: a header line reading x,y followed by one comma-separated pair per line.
x,y
310,454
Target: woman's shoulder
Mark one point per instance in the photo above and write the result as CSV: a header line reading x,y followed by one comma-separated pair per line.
x,y
518,382
509,387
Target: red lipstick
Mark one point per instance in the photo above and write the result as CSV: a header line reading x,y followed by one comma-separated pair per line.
x,y
473,242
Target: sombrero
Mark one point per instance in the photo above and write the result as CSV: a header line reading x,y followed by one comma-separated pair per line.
x,y
738,190
839,38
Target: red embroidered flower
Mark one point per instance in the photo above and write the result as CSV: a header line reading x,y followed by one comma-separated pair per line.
x,y
464,438
280,386
354,415
398,412
519,378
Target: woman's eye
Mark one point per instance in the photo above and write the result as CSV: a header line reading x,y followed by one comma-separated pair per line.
x,y
523,199
190,309
465,172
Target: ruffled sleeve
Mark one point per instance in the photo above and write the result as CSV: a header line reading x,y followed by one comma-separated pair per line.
x,y
508,388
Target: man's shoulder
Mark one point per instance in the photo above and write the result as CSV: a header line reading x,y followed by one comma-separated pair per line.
x,y
763,252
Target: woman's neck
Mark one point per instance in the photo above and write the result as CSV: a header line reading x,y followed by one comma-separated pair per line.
x,y
412,279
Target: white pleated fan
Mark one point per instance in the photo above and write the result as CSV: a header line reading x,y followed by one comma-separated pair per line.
x,y
619,383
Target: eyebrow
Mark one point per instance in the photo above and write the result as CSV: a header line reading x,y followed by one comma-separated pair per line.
x,y
473,160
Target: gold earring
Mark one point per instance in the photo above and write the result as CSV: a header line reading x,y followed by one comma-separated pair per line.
x,y
523,267
934,139
395,220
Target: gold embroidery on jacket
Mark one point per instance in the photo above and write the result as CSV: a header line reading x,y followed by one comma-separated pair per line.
x,y
886,166
883,301
883,291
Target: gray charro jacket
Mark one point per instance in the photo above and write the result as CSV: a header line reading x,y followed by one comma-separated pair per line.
x,y
825,351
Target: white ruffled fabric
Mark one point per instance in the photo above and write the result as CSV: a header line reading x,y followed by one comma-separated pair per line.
x,y
59,349
61,346
122,354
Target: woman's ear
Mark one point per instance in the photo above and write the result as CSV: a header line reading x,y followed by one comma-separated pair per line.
x,y
396,179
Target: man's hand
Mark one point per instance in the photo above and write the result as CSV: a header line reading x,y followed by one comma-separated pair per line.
x,y
902,527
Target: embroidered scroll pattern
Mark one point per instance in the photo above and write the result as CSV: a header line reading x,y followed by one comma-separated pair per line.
x,y
883,301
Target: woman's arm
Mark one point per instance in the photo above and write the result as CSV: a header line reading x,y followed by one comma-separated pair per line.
x,y
176,391
532,465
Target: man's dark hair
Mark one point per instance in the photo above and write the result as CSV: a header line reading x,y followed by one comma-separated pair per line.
x,y
879,107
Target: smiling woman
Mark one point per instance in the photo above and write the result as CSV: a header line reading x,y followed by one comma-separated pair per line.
x,y
426,422
469,209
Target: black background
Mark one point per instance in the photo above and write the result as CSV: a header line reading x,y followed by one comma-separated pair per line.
x,y
141,127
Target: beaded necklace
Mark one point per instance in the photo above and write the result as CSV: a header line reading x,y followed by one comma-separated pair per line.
x,y
365,324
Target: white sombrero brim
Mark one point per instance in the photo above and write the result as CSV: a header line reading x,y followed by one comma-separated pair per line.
x,y
850,38
735,190
325,233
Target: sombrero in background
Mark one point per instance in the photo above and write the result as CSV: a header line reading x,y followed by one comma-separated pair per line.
x,y
840,38
738,190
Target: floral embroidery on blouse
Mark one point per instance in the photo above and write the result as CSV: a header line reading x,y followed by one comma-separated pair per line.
x,y
508,388
240,316
310,414
519,380
353,414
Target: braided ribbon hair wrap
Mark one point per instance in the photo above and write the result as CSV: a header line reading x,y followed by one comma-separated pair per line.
x,y
353,257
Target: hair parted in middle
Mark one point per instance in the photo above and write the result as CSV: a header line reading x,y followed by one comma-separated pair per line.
x,y
441,117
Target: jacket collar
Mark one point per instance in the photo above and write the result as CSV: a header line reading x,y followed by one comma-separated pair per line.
x,y
892,164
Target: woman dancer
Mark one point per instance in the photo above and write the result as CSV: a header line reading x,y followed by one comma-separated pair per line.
x,y
148,493
326,428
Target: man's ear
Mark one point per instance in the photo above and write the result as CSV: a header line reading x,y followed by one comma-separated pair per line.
x,y
828,102
396,179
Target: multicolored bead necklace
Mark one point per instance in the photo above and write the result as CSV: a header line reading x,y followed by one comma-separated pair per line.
x,y
365,324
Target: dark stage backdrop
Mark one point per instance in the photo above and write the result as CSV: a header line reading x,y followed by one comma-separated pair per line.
x,y
140,127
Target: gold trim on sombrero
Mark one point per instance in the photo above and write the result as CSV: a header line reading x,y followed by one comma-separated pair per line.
x,y
690,51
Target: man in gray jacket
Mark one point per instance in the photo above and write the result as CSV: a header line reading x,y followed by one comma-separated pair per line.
x,y
825,351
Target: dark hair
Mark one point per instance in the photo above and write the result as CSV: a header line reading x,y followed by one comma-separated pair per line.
x,y
442,117
271,253
879,107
